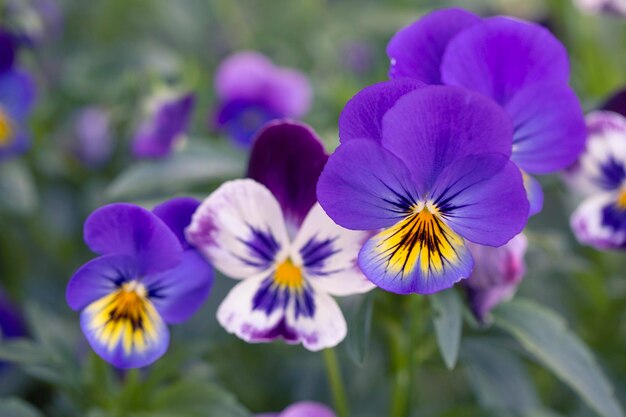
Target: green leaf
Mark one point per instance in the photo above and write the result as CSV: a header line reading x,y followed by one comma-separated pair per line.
x,y
198,163
17,188
448,309
498,378
359,326
15,407
545,335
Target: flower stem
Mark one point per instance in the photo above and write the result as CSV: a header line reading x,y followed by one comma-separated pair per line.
x,y
336,383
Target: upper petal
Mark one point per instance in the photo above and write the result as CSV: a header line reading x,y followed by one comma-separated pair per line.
x,y
239,228
176,213
431,127
243,75
365,187
132,230
416,50
362,116
289,93
501,55
288,157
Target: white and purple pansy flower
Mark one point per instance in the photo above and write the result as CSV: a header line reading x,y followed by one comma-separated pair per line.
x,y
430,169
168,116
17,96
269,232
518,64
303,409
600,176
252,91
605,7
146,277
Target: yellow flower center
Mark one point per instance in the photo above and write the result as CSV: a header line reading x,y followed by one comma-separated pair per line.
x,y
288,275
6,128
621,200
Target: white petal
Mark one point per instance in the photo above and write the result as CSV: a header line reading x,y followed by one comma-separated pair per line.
x,y
328,254
590,228
240,229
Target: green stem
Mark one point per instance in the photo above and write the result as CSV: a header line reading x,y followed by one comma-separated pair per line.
x,y
336,383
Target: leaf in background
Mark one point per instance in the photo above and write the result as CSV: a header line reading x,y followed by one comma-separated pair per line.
x,y
15,407
17,188
498,378
197,163
448,309
544,334
359,326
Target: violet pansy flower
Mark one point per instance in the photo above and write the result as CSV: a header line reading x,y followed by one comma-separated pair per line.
x,y
146,276
431,170
519,64
269,232
164,126
600,176
253,91
496,275
303,409
93,143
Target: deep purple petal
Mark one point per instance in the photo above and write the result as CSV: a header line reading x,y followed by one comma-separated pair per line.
x,y
362,116
127,229
416,50
616,103
176,213
17,94
482,198
288,157
7,51
549,125
179,292
11,320
98,278
431,127
365,187
502,55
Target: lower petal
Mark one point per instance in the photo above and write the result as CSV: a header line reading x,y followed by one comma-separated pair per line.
x,y
598,222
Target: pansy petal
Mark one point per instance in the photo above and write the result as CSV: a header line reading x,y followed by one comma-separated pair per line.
x,y
7,47
243,75
307,409
132,230
288,157
19,143
125,330
328,254
433,126
179,292
99,277
420,254
365,187
616,103
416,50
17,94
239,228
534,192
362,116
482,198
502,55
11,321
598,223
549,125
290,93
176,214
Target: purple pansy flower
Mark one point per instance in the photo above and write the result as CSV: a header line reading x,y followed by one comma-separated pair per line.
x,y
253,91
17,96
608,7
600,176
269,232
519,64
430,168
147,276
92,134
165,125
303,409
496,275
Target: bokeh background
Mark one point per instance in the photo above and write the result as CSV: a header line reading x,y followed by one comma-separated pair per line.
x,y
113,54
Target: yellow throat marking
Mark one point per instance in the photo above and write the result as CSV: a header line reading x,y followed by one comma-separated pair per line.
x,y
6,128
621,200
288,275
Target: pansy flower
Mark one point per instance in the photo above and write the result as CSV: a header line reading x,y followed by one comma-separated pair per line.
x,y
431,169
169,114
93,144
146,276
17,96
600,176
269,232
253,91
303,409
519,64
497,274
606,7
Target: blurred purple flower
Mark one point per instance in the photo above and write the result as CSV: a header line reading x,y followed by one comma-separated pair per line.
x,y
519,64
157,135
496,275
430,166
7,49
607,7
11,321
358,57
270,233
93,142
147,276
303,409
253,91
